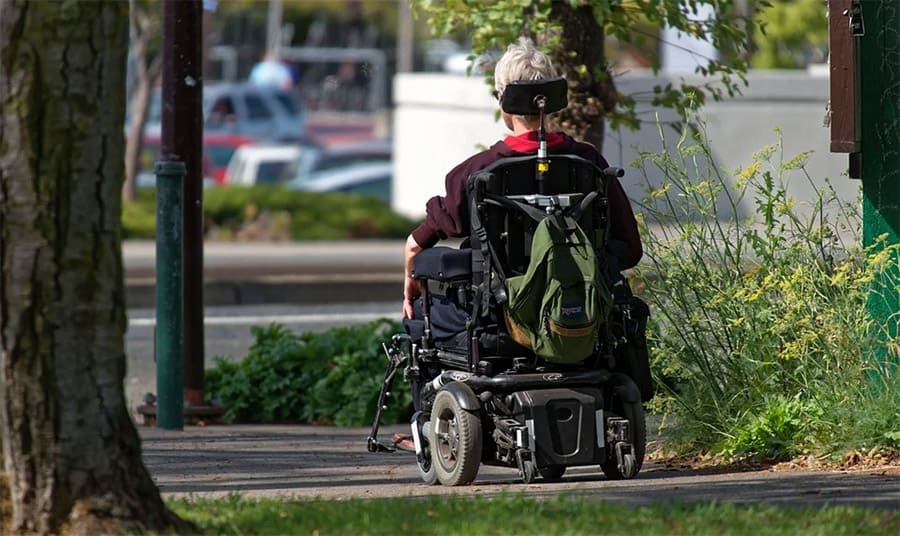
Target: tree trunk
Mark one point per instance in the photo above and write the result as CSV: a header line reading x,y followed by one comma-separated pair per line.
x,y
148,72
71,451
592,93
134,142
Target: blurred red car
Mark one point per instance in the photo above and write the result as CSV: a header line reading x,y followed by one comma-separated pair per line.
x,y
217,152
219,149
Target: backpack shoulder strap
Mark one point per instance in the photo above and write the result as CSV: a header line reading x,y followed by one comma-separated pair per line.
x,y
532,212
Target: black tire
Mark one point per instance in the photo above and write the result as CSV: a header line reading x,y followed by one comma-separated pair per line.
x,y
426,468
552,473
634,412
423,460
528,472
456,445
633,361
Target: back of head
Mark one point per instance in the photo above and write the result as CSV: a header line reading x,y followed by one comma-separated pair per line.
x,y
522,61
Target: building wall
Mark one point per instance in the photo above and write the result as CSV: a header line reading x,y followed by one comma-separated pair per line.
x,y
439,120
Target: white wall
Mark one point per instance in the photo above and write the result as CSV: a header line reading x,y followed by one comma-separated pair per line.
x,y
439,120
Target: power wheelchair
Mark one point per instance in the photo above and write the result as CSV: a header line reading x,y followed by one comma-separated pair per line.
x,y
479,396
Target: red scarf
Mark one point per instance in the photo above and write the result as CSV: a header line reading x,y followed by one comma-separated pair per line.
x,y
528,142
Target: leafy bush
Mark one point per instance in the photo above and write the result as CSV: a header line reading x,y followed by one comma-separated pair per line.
x,y
139,217
280,214
332,377
760,332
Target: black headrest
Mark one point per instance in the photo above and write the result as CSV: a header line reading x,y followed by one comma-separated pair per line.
x,y
521,97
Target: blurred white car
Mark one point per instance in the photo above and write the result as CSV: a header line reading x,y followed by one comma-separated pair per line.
x,y
371,178
262,164
338,156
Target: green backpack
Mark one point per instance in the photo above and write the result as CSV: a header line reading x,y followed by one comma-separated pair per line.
x,y
557,307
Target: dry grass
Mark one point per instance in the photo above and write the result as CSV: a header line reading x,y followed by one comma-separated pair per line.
x,y
880,461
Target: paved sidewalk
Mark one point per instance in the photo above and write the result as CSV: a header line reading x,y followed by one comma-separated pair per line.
x,y
316,461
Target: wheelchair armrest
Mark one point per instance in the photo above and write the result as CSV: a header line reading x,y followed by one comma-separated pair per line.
x,y
443,264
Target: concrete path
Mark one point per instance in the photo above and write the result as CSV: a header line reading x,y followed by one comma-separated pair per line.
x,y
328,462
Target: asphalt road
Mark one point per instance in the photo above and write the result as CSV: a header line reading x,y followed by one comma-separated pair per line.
x,y
251,273
225,260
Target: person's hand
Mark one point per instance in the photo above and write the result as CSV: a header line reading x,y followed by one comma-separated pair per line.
x,y
411,287
411,291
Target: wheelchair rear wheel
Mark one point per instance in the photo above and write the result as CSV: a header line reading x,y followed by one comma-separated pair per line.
x,y
455,442
637,437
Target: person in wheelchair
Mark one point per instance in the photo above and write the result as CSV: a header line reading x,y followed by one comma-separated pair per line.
x,y
447,216
456,335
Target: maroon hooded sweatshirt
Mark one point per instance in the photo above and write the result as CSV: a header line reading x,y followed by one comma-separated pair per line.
x,y
448,215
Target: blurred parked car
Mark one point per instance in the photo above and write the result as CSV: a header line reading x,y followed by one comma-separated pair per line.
x,y
261,113
353,153
261,164
339,156
372,179
217,152
219,149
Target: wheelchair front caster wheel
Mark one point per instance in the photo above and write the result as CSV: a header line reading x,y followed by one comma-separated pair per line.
x,y
528,471
424,462
626,456
426,468
629,466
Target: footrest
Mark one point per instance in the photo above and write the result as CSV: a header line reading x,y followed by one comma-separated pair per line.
x,y
375,445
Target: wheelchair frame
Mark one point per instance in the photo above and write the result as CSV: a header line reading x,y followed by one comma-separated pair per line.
x,y
513,410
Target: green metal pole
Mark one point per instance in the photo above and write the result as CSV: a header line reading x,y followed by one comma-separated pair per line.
x,y
879,61
169,292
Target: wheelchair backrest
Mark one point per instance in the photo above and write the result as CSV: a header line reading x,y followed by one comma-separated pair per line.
x,y
509,232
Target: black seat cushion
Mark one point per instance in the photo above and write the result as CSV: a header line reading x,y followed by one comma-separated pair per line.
x,y
443,264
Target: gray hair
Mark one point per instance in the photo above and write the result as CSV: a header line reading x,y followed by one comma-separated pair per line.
x,y
522,61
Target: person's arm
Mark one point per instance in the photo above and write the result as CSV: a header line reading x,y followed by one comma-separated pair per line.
x,y
623,225
411,288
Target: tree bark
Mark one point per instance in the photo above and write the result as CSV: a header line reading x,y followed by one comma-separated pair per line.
x,y
71,451
592,93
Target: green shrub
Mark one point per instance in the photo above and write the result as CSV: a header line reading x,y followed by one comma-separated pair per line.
x,y
312,215
139,218
760,332
301,215
332,377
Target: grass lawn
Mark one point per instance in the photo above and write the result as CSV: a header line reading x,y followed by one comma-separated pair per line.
x,y
519,515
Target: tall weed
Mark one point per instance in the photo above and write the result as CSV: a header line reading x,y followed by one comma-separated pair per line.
x,y
760,333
